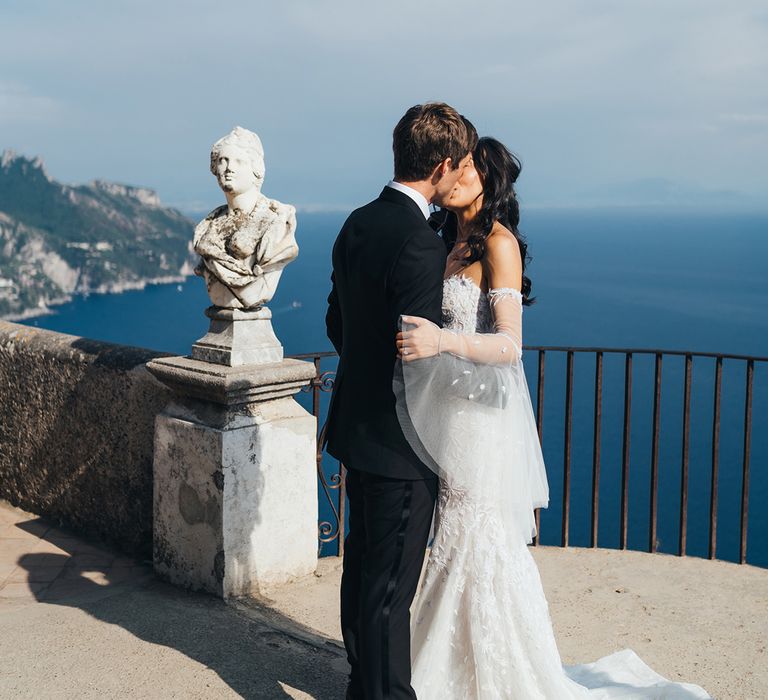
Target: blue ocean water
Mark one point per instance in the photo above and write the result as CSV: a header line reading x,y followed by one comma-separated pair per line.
x,y
602,278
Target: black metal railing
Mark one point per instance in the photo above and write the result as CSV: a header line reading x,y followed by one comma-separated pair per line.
x,y
332,485
331,529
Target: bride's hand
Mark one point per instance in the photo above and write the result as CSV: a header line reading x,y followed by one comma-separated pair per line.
x,y
420,339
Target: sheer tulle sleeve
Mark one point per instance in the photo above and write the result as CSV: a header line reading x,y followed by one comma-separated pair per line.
x,y
504,346
467,414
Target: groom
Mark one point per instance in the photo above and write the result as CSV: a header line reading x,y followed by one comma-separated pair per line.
x,y
387,261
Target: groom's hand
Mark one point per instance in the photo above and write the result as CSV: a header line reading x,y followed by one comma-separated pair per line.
x,y
419,338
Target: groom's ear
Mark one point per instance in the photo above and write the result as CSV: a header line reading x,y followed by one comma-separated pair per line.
x,y
442,168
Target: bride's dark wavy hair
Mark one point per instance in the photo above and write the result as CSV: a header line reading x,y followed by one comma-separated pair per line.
x,y
498,169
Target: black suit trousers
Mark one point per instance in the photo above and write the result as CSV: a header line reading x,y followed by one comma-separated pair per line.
x,y
389,522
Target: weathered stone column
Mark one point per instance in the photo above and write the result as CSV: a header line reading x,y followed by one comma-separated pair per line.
x,y
235,486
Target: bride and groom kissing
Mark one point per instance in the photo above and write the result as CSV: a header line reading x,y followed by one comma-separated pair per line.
x,y
431,414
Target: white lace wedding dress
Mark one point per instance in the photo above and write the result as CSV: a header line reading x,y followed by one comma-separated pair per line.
x,y
480,625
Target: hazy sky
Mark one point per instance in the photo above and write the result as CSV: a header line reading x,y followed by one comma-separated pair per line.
x,y
605,101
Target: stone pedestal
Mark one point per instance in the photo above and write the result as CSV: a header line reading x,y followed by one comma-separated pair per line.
x,y
235,484
238,337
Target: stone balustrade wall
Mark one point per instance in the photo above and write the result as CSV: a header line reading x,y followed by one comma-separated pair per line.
x,y
76,432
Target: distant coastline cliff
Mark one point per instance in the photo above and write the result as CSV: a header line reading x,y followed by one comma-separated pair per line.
x,y
58,240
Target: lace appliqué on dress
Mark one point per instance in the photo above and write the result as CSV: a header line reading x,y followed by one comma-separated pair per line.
x,y
465,307
494,295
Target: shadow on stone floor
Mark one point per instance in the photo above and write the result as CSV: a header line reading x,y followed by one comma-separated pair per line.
x,y
257,656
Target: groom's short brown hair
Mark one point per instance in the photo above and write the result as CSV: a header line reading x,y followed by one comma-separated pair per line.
x,y
428,134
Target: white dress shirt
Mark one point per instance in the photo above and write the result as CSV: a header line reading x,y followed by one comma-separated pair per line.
x,y
415,195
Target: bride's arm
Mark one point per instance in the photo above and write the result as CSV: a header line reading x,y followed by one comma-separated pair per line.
x,y
503,268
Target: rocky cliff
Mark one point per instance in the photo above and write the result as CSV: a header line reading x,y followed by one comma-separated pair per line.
x,y
57,240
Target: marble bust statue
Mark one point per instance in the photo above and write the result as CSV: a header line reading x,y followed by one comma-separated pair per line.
x,y
244,244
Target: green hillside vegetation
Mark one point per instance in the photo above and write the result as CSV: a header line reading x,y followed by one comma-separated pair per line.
x,y
57,240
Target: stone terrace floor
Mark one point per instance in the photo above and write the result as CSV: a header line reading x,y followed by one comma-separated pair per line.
x,y
80,621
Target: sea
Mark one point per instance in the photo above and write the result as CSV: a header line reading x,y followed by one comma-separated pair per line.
x,y
602,278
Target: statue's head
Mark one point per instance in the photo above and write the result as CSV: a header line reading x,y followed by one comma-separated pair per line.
x,y
237,161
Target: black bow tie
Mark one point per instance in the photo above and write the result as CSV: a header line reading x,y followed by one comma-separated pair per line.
x,y
437,219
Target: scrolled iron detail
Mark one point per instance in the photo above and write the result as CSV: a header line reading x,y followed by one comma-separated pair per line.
x,y
328,532
326,380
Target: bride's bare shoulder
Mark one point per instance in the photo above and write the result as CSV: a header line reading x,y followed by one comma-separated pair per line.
x,y
502,246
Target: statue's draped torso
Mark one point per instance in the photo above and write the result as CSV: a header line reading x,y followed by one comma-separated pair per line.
x,y
243,254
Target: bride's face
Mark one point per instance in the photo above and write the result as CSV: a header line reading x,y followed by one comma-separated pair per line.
x,y
467,191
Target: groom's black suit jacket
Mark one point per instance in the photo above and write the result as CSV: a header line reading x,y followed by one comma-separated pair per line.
x,y
387,261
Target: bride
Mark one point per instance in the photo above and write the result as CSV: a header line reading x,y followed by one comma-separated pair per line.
x,y
480,626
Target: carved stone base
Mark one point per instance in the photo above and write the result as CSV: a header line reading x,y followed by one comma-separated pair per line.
x,y
235,483
238,337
